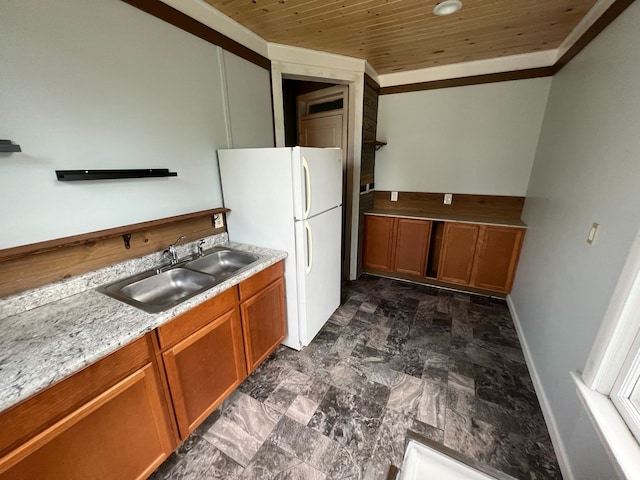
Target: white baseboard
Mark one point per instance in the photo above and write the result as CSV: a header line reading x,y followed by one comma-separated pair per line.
x,y
552,426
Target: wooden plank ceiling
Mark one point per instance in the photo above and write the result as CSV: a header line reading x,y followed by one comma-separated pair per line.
x,y
400,35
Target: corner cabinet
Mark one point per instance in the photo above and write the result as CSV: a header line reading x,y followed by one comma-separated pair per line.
x,y
108,421
473,255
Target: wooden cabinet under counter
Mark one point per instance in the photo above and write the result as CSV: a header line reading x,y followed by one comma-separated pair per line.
x,y
203,358
263,314
480,257
396,244
109,420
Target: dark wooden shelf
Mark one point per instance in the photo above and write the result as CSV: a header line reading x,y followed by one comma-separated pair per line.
x,y
377,144
79,175
8,146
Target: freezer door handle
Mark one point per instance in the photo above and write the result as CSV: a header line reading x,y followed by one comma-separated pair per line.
x,y
307,184
309,233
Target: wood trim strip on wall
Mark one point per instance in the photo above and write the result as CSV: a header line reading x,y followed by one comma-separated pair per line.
x,y
184,22
592,32
92,237
472,80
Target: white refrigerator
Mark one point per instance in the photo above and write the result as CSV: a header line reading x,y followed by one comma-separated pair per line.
x,y
290,199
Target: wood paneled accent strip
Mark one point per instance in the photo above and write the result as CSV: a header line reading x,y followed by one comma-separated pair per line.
x,y
38,264
473,80
485,206
184,22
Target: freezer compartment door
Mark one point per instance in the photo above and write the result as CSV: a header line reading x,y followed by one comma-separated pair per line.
x,y
317,180
318,265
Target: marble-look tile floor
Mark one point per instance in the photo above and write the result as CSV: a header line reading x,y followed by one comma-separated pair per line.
x,y
394,357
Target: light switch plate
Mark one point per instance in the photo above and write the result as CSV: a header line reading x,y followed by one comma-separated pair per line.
x,y
448,197
592,233
394,196
218,220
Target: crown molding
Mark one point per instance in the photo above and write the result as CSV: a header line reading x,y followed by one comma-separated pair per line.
x,y
471,69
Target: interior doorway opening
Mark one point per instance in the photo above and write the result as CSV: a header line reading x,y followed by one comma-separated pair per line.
x,y
316,115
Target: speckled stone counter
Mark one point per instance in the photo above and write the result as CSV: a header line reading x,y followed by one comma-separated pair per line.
x,y
49,333
448,218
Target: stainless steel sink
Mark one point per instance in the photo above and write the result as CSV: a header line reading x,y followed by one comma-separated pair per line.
x,y
221,263
156,292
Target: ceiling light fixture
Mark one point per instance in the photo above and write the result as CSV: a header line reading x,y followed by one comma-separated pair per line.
x,y
447,7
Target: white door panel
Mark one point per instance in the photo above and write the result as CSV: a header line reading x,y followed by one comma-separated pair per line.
x,y
318,253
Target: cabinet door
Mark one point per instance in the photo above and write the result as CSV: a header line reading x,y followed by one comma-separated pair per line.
x,y
204,368
263,323
412,246
378,242
119,434
458,250
497,257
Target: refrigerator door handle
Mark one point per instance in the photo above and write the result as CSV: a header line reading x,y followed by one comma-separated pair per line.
x,y
307,184
309,264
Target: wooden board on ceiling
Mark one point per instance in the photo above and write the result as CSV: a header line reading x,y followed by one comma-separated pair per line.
x,y
399,35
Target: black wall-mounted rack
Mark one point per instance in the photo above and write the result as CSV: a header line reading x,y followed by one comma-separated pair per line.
x,y
76,175
8,146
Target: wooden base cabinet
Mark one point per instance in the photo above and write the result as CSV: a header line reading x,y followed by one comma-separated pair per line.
x,y
206,365
498,251
457,254
263,314
483,257
121,433
411,246
379,239
396,244
480,256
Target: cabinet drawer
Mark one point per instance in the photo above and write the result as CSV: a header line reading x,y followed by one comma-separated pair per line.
x,y
31,416
253,285
187,323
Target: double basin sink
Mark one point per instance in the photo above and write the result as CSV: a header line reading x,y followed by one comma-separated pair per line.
x,y
157,290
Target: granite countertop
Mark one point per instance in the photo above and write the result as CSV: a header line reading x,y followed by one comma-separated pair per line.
x,y
49,333
448,218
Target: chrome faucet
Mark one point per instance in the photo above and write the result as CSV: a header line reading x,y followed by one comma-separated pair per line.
x,y
171,251
200,248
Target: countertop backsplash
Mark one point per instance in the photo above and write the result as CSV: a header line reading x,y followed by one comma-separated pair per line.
x,y
30,299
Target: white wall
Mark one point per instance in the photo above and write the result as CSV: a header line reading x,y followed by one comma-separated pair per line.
x,y
100,84
248,88
587,169
478,139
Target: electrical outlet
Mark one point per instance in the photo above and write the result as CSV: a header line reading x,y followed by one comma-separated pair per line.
x,y
592,233
394,196
218,220
448,198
